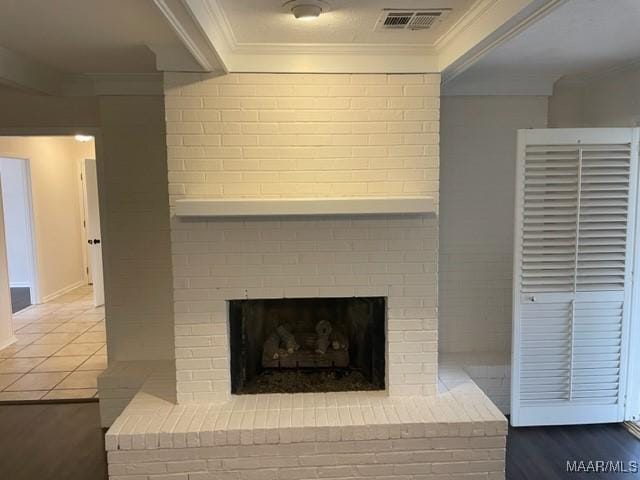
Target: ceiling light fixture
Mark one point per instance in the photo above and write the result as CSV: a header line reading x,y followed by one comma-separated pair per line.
x,y
83,138
306,9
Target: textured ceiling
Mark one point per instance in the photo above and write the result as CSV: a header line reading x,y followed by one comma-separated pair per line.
x,y
580,36
349,21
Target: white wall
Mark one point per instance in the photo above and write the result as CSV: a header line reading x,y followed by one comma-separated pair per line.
x,y
134,211
53,165
15,201
609,101
477,187
477,190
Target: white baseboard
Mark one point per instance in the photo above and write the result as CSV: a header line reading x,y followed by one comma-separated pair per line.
x,y
10,341
62,291
19,285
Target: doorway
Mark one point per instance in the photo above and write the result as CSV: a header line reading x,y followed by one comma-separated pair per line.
x,y
572,282
18,221
55,345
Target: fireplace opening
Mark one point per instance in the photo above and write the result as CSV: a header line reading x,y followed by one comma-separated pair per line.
x,y
307,345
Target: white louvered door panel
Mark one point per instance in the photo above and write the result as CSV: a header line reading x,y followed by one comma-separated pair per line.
x,y
545,369
597,343
549,223
575,201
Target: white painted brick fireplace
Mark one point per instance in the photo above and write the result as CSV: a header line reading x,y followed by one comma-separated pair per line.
x,y
266,136
317,136
217,261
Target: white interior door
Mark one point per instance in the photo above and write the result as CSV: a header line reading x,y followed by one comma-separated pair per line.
x,y
574,234
93,230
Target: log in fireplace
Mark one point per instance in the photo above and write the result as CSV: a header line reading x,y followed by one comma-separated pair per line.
x,y
307,345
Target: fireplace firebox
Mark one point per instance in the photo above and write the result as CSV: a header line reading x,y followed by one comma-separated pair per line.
x,y
307,345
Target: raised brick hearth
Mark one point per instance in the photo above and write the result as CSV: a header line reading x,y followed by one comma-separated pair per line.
x,y
457,433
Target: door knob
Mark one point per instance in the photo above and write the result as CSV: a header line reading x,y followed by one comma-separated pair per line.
x,y
96,241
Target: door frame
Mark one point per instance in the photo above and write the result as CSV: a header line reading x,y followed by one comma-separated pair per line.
x,y
83,229
32,250
632,394
95,132
515,292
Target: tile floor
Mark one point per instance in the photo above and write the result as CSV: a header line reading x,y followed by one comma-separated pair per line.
x,y
60,350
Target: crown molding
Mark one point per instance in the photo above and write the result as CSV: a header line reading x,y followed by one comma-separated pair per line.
x,y
214,26
305,58
215,10
229,39
189,32
479,8
333,48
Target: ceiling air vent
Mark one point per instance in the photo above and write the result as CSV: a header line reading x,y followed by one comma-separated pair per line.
x,y
396,19
399,19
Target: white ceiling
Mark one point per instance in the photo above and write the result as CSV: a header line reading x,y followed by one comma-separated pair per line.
x,y
578,37
348,21
80,36
263,36
115,36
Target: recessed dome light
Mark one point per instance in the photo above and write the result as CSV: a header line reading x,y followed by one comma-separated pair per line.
x,y
306,9
306,12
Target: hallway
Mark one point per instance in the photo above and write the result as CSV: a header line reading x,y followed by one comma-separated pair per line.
x,y
59,353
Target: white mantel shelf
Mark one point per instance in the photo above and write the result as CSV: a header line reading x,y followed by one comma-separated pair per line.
x,y
270,207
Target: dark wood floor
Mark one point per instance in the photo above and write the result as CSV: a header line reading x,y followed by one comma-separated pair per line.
x,y
20,298
52,442
65,442
541,453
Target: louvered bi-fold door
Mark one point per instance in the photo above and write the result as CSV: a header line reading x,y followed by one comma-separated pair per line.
x,y
575,212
